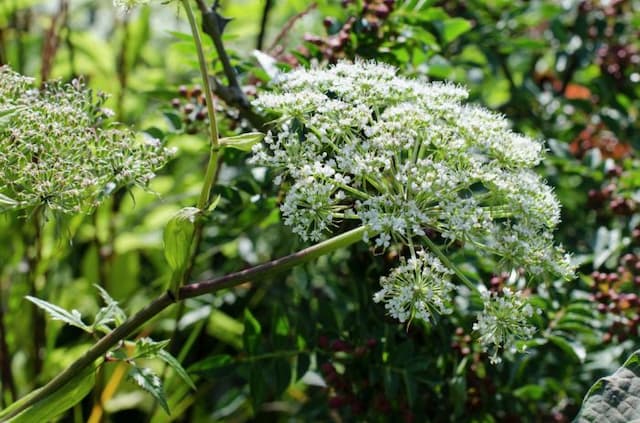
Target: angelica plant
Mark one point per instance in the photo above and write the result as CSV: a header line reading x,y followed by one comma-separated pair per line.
x,y
405,158
58,151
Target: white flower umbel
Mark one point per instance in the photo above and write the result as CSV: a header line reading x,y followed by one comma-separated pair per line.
x,y
503,322
58,152
419,288
408,158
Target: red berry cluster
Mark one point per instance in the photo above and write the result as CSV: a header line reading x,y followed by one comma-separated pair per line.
x,y
613,57
365,22
616,295
192,105
606,199
599,137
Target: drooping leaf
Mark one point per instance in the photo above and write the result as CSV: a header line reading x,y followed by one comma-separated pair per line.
x,y
72,318
615,398
7,202
177,367
150,382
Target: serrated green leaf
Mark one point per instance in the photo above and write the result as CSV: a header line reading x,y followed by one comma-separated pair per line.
x,y
175,365
118,315
150,382
148,348
178,235
242,142
615,398
103,318
72,318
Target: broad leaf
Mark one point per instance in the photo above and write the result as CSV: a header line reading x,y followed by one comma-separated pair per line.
x,y
615,398
150,382
72,318
453,28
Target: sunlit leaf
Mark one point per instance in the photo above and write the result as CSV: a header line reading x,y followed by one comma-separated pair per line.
x,y
72,318
150,382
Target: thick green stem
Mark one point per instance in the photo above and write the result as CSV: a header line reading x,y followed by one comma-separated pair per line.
x,y
210,175
163,301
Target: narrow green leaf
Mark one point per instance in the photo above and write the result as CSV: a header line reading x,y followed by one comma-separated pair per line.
x,y
242,142
150,382
175,365
58,402
251,334
573,349
72,318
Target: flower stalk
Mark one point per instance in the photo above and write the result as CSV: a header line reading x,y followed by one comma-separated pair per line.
x,y
163,301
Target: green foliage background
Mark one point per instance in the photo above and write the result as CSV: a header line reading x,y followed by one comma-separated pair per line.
x,y
311,345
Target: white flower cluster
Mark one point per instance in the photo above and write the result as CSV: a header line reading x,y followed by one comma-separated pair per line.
x,y
503,322
419,288
126,5
404,156
57,152
407,157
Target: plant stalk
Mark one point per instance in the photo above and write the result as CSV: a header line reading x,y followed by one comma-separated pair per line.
x,y
166,299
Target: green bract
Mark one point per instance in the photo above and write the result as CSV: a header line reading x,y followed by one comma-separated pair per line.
x,y
56,150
